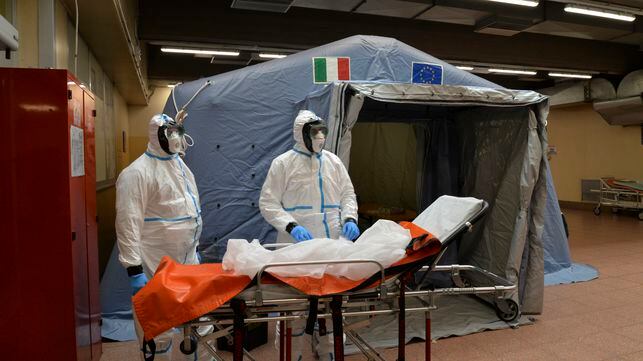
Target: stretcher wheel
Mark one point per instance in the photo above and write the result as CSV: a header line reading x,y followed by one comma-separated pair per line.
x,y
641,216
192,347
597,210
508,311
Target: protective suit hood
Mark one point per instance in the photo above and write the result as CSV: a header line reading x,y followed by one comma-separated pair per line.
x,y
153,145
304,117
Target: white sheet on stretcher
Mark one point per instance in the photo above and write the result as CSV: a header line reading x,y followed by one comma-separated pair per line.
x,y
384,242
444,216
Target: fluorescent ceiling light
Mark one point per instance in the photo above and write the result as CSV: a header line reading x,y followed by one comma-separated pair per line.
x,y
462,67
271,56
512,71
599,13
171,85
199,52
571,75
530,3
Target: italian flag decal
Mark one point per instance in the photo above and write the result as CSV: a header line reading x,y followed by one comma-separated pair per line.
x,y
326,70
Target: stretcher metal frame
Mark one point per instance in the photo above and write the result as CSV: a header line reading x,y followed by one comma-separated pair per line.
x,y
618,198
387,298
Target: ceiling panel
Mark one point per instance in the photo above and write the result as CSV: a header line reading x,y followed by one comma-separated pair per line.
x,y
447,14
215,24
576,30
630,3
338,5
633,39
399,9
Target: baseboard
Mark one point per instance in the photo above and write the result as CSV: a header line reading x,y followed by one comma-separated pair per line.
x,y
584,206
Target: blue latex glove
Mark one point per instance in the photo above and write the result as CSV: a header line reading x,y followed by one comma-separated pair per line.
x,y
198,257
350,230
137,282
300,233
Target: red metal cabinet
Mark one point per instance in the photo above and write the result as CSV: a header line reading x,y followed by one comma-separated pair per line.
x,y
91,220
49,258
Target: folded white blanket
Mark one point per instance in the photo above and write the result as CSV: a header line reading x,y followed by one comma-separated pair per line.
x,y
384,242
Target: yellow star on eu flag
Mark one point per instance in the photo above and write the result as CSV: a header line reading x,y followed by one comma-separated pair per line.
x,y
427,73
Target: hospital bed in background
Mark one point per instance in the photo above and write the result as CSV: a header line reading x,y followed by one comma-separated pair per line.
x,y
349,305
620,194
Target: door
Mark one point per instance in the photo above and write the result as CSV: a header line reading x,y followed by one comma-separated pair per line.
x,y
79,220
89,115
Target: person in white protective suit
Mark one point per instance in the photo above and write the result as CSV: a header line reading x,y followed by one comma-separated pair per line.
x,y
308,194
158,214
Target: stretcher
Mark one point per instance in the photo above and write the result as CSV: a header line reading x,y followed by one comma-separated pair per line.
x,y
349,305
620,194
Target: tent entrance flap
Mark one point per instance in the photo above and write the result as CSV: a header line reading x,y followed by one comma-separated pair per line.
x,y
383,166
484,143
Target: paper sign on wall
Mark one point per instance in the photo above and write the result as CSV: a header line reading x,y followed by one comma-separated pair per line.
x,y
77,151
78,113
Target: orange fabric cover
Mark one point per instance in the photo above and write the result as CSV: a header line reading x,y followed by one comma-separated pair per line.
x,y
416,231
179,293
420,237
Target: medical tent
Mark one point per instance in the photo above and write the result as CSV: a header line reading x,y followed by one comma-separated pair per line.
x,y
457,134
480,140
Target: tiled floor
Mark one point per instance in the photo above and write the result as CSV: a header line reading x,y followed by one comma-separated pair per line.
x,y
597,320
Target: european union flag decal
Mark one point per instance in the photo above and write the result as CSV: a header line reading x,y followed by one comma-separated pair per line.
x,y
426,73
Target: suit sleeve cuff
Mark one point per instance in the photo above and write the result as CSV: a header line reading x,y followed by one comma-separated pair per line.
x,y
134,270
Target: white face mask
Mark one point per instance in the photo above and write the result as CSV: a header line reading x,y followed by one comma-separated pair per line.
x,y
175,143
318,142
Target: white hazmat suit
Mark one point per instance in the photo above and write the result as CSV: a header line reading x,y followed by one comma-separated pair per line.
x,y
313,190
157,208
158,214
310,189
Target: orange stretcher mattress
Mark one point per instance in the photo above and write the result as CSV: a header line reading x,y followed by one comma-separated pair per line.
x,y
179,293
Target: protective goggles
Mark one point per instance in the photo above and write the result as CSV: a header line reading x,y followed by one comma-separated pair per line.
x,y
318,129
173,130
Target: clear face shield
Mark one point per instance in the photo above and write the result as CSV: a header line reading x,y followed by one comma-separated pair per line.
x,y
315,136
173,138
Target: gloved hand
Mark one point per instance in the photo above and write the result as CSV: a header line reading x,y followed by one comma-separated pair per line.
x,y
350,230
300,233
137,282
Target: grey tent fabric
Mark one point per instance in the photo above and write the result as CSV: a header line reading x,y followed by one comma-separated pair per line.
x,y
390,181
440,177
455,316
243,120
502,136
